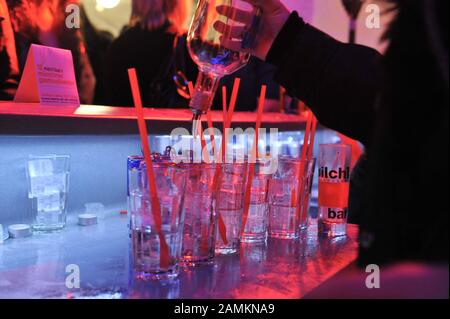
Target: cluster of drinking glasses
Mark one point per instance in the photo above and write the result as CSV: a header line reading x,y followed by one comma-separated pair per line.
x,y
203,208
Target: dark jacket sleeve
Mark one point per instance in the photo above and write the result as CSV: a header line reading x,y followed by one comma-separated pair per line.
x,y
9,69
339,82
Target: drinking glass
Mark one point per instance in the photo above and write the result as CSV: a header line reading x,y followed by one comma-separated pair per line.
x,y
230,206
170,182
200,216
289,197
334,181
48,186
258,219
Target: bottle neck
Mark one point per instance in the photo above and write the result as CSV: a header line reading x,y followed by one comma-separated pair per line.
x,y
204,92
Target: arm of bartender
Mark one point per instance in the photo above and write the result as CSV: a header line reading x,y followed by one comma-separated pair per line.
x,y
9,69
310,62
381,104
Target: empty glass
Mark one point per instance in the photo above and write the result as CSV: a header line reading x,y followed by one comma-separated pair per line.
x,y
97,209
230,206
200,215
288,205
48,186
170,182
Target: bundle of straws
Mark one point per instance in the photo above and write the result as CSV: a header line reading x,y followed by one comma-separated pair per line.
x,y
227,117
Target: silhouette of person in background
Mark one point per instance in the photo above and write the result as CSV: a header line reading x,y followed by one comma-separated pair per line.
x,y
43,22
97,45
153,44
9,67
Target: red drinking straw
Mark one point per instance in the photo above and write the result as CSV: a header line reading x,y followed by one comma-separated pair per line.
x,y
224,121
312,137
224,103
191,89
234,95
227,119
309,157
156,207
205,152
211,131
228,115
303,158
218,172
251,170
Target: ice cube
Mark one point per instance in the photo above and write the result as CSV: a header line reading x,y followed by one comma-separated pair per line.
x,y
37,185
60,182
40,167
40,185
49,202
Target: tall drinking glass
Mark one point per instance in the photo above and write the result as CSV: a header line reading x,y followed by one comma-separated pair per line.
x,y
334,177
170,182
288,204
230,206
200,216
48,186
258,219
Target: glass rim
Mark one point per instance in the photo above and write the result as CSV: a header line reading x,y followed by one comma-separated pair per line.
x,y
341,145
158,161
289,158
48,156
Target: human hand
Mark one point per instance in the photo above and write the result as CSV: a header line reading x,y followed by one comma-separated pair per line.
x,y
274,16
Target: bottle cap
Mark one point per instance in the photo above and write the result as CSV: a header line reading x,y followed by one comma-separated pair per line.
x,y
19,230
87,219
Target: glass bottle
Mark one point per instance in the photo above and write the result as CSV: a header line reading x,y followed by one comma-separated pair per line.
x,y
213,59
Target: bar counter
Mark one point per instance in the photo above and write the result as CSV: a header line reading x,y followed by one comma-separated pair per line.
x,y
98,140
15,118
35,267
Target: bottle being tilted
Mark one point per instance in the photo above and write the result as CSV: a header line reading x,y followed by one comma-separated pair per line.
x,y
213,59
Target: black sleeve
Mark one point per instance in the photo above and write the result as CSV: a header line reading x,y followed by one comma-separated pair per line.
x,y
118,89
265,75
339,82
9,70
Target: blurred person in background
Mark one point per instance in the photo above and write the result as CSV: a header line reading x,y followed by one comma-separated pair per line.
x,y
97,45
9,67
153,44
44,22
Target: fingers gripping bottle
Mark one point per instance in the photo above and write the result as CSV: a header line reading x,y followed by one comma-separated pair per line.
x,y
206,45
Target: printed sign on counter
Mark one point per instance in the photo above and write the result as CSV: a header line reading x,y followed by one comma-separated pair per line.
x,y
48,78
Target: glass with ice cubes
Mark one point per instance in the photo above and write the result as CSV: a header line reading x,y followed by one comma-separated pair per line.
x,y
48,186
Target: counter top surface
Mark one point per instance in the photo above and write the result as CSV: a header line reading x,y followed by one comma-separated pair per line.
x,y
126,113
38,266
